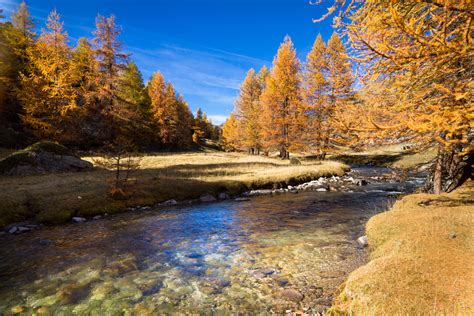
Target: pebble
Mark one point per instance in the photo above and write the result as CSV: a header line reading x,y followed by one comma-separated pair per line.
x,y
363,241
77,219
242,199
292,295
170,202
13,230
223,196
452,235
207,198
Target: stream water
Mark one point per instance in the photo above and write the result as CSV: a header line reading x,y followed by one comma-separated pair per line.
x,y
270,254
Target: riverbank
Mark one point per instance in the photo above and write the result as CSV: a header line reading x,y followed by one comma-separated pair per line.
x,y
56,198
421,259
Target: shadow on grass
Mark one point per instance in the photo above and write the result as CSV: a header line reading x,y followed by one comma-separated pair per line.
x,y
373,160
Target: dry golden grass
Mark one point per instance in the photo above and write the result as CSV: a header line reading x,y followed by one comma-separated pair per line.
x,y
58,197
422,254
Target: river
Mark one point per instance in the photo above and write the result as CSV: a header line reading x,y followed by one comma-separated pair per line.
x,y
281,253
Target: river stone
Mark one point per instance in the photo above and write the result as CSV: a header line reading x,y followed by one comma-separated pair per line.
x,y
170,202
363,241
77,219
223,196
242,199
207,198
13,230
292,295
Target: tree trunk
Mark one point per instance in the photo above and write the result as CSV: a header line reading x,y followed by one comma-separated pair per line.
x,y
438,172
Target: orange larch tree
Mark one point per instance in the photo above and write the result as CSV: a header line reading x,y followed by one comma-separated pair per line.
x,y
419,56
46,91
281,101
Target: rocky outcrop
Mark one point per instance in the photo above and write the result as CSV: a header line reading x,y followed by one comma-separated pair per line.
x,y
40,158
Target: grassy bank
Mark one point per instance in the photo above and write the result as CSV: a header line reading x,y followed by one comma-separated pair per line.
x,y
58,197
422,252
395,156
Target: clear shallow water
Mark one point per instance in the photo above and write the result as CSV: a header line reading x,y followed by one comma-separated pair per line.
x,y
269,254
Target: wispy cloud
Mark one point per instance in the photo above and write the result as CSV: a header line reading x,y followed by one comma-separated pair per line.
x,y
217,119
208,77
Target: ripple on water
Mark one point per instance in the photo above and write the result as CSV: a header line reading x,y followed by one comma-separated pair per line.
x,y
269,254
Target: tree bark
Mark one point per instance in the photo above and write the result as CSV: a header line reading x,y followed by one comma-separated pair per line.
x,y
438,172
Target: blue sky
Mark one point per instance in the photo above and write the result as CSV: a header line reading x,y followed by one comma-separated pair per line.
x,y
203,47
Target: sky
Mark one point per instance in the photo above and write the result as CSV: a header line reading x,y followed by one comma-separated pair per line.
x,y
204,47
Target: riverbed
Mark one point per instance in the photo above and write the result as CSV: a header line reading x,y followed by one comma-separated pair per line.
x,y
279,253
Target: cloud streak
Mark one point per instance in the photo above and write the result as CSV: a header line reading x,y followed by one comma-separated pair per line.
x,y
208,77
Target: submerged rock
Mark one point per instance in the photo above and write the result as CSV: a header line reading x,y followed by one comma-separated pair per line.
x,y
223,196
207,198
291,295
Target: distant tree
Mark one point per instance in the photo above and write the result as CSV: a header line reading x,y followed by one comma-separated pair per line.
x,y
231,133
15,38
203,128
316,90
281,99
170,114
111,62
185,124
248,109
46,91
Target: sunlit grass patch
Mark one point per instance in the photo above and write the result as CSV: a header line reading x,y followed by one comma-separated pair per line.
x,y
422,252
58,197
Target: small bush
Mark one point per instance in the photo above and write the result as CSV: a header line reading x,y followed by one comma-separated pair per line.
x,y
295,161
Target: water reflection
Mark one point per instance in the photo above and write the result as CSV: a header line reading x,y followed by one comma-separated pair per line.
x,y
269,254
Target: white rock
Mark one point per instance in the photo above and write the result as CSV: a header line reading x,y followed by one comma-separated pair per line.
x,y
145,208
363,241
97,217
242,199
207,198
13,230
321,190
77,219
22,229
79,197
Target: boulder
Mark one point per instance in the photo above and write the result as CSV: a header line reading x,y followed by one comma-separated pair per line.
x,y
40,158
207,198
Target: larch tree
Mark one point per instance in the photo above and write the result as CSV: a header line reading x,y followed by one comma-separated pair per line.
x,y
111,62
45,90
341,94
281,101
248,109
315,91
419,56
231,137
15,38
